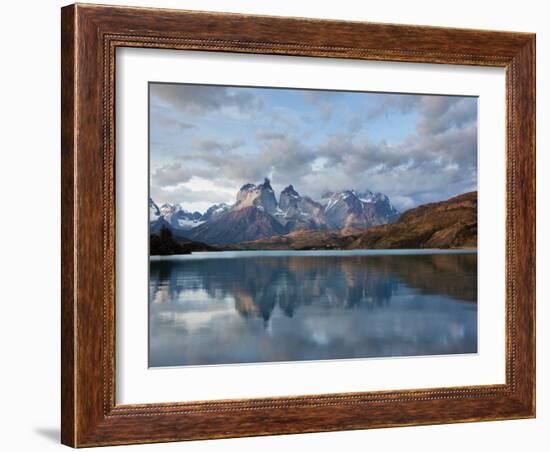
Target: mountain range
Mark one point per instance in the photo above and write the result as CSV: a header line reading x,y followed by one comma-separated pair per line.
x,y
257,214
446,224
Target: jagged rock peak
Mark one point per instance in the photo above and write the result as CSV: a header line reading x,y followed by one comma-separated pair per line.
x,y
351,209
290,190
289,197
247,187
260,196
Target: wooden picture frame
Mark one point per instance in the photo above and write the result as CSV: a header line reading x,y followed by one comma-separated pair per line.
x,y
90,36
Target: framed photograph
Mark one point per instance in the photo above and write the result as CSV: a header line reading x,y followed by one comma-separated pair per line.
x,y
281,225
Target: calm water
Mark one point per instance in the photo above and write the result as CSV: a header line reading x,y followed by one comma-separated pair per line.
x,y
242,307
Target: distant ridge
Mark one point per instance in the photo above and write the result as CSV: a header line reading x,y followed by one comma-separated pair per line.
x,y
257,214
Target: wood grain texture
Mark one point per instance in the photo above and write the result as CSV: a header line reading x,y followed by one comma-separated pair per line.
x,y
68,147
90,36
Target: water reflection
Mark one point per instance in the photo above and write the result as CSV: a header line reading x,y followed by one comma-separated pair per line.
x,y
296,307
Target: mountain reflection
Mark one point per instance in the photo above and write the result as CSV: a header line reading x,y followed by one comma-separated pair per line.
x,y
259,285
296,307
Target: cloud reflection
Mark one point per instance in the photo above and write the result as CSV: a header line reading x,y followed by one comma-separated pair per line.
x,y
214,311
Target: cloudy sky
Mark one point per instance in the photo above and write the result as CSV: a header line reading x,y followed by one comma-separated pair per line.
x,y
207,141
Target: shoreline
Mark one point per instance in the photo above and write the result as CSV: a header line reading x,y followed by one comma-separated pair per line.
x,y
227,254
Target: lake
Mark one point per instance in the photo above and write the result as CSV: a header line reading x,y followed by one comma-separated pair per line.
x,y
272,306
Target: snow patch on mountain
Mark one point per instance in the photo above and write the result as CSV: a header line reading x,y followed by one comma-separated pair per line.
x,y
154,211
179,218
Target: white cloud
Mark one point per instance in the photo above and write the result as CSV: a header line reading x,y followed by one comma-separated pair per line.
x,y
437,160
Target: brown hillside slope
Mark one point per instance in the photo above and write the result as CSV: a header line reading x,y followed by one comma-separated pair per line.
x,y
446,224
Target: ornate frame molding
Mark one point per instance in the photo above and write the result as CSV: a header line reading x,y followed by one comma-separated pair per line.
x,y
90,37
